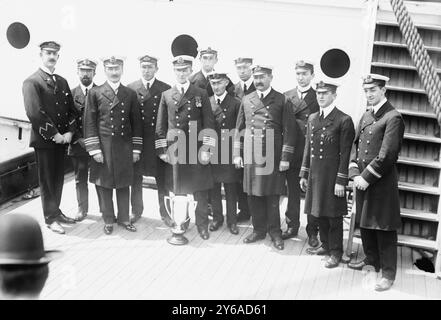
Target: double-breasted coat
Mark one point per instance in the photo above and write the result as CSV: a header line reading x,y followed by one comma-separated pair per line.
x,y
303,108
225,116
75,148
270,134
326,161
113,125
148,103
184,116
50,108
374,155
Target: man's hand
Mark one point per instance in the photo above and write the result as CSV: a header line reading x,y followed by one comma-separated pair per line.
x,y
339,190
303,184
58,138
283,166
99,157
164,157
360,183
238,162
80,141
136,157
205,157
68,137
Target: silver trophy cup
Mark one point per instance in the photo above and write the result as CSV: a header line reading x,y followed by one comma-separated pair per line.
x,y
178,207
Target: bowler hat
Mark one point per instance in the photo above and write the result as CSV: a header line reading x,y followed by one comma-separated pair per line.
x,y
21,242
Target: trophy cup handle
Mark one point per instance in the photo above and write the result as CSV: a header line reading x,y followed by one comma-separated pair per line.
x,y
167,201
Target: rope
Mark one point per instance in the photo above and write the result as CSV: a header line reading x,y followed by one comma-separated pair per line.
x,y
422,61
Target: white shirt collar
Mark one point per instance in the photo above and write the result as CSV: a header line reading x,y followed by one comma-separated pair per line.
x,y
47,70
265,93
379,105
114,85
249,82
150,82
184,85
205,73
83,87
303,89
221,98
327,110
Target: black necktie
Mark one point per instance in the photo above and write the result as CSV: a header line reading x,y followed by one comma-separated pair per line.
x,y
85,92
261,96
148,86
244,87
218,101
322,115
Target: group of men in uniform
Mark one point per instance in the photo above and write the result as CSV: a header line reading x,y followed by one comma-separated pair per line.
x,y
299,138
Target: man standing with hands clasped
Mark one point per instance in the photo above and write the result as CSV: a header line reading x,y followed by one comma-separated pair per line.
x,y
324,171
51,111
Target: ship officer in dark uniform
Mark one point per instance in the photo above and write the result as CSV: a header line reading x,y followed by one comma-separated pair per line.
x,y
77,149
148,90
113,137
373,167
225,110
324,171
270,133
242,88
304,100
51,111
183,112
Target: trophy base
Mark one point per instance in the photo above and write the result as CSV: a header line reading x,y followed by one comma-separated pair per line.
x,y
177,240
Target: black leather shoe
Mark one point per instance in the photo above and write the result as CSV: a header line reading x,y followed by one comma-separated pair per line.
x,y
80,216
56,227
332,262
278,243
63,219
290,233
128,226
253,237
203,232
384,284
134,217
233,228
215,225
317,251
359,265
242,217
108,229
313,241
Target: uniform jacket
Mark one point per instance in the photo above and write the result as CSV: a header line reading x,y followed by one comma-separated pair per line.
x,y
75,148
225,116
238,90
259,118
49,107
374,155
303,108
113,125
198,79
326,161
185,115
149,104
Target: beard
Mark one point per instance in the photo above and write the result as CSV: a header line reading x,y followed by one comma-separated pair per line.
x,y
86,81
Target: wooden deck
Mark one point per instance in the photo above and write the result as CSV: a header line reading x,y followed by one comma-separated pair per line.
x,y
143,265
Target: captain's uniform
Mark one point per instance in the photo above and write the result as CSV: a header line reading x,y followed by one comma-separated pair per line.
x,y
304,102
374,156
225,110
77,149
50,109
329,137
149,96
113,126
266,119
183,112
